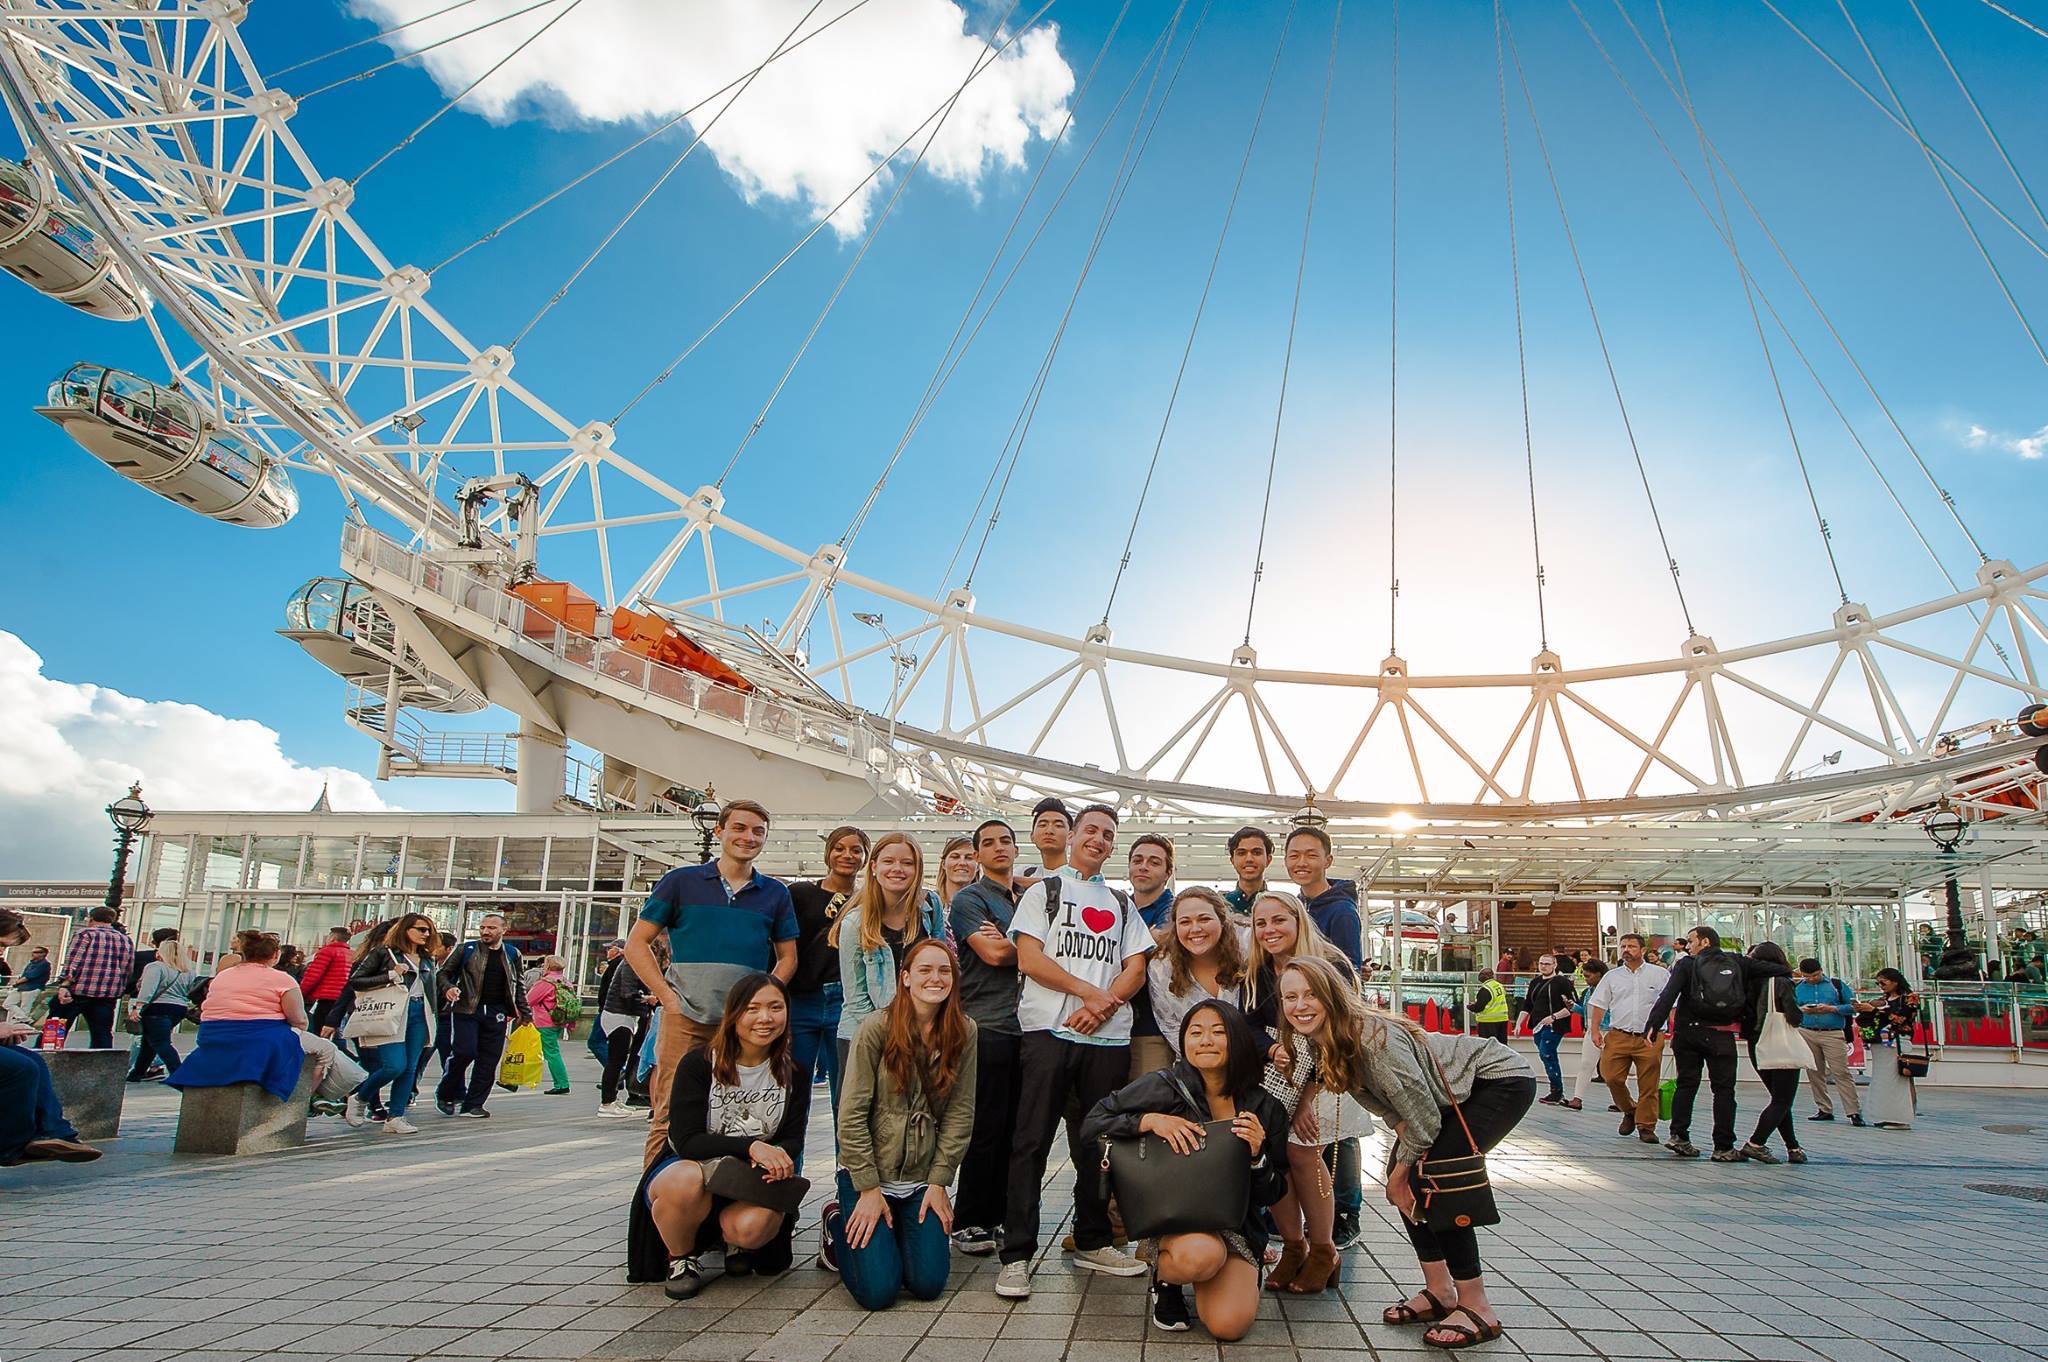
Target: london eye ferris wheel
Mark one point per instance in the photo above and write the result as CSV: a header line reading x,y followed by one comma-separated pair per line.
x,y
616,588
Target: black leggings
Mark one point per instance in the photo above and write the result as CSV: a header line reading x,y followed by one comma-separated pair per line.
x,y
618,1048
1493,1109
1783,1086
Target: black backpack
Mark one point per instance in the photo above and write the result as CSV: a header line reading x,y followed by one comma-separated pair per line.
x,y
1716,993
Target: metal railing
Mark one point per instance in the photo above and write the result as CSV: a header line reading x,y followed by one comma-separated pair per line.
x,y
848,741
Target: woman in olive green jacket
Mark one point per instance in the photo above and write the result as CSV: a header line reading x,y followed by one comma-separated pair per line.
x,y
906,1112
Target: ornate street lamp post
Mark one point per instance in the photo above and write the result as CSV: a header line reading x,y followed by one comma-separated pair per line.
x,y
1946,829
705,816
129,816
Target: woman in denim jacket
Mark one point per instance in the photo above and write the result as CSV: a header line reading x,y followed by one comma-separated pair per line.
x,y
893,912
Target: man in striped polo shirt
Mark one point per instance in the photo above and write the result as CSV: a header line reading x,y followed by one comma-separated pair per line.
x,y
724,920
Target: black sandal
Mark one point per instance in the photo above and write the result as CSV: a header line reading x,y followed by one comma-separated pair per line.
x,y
1404,1313
1481,1332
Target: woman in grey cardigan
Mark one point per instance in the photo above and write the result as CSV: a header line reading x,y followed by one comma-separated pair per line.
x,y
1411,1079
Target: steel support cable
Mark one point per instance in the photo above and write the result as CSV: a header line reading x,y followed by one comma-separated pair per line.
x,y
467,90
664,126
1749,301
1947,190
948,360
696,140
1763,295
271,77
996,467
1599,331
1991,4
1134,154
990,52
417,52
1983,122
1394,332
1507,161
1187,349
824,220
1925,148
1308,217
1735,181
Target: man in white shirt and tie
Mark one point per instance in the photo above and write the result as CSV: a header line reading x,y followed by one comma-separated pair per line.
x,y
1625,995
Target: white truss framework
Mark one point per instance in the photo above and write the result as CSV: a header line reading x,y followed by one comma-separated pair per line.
x,y
156,119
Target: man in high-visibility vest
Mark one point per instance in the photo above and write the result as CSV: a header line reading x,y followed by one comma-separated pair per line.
x,y
1490,1017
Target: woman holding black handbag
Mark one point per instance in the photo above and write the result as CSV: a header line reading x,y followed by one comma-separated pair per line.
x,y
1449,1100
1887,1026
727,1175
1211,1092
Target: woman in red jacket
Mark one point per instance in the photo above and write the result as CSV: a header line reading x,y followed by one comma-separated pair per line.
x,y
326,975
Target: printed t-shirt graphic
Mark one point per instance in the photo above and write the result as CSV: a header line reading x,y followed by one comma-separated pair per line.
x,y
1087,933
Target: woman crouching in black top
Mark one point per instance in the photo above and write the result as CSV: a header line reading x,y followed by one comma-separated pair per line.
x,y
738,1097
1222,1060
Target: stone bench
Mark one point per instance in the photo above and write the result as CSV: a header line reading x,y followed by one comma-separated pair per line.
x,y
242,1118
91,1085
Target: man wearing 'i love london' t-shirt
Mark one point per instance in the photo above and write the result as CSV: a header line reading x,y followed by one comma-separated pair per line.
x,y
1081,948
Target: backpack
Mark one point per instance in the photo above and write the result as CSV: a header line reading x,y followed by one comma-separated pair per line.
x,y
1716,993
567,1008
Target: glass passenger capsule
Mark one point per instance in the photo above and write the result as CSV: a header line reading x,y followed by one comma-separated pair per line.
x,y
161,438
46,243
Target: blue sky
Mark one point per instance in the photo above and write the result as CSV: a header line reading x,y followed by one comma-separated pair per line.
x,y
113,587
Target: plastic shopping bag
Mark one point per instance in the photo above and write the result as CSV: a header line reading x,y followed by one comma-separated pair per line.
x,y
522,1064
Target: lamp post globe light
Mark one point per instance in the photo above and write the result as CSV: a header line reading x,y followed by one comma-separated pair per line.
x,y
705,816
130,816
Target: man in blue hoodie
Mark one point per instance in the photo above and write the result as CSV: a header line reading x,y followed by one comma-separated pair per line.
x,y
1333,906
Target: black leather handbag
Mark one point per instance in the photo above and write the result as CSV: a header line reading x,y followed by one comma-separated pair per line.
x,y
1454,1192
738,1180
1160,1192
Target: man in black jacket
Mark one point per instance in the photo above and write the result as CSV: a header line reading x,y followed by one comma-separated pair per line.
x,y
1708,989
480,982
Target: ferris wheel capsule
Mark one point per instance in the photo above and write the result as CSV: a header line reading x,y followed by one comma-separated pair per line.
x,y
45,243
163,439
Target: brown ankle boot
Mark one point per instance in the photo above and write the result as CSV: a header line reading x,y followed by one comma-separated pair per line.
x,y
1293,1253
1316,1272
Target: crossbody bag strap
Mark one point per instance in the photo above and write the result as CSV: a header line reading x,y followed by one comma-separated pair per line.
x,y
1444,1078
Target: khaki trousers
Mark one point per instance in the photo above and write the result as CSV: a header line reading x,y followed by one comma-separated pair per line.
x,y
1618,1056
678,1036
1830,1066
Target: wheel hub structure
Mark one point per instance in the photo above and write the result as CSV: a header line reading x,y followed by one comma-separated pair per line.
x,y
289,320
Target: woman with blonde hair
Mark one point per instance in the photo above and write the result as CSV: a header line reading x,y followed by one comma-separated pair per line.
x,y
1443,1096
548,995
957,869
163,996
1282,930
1202,957
1320,1025
893,912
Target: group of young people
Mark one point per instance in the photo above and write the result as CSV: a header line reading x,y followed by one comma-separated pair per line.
x,y
959,1018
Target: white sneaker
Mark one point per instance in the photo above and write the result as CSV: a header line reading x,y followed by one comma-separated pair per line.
x,y
1113,1261
398,1125
1014,1281
611,1109
356,1112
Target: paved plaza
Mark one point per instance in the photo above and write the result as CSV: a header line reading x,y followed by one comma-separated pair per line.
x,y
505,1238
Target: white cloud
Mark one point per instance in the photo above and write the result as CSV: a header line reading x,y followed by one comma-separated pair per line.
x,y
2033,446
808,128
68,749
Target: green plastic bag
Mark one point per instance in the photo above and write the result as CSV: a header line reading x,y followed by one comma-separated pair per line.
x,y
1665,1092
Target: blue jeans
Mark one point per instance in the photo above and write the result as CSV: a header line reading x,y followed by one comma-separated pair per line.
x,y
914,1256
813,1027
159,1020
397,1063
1547,1041
29,1109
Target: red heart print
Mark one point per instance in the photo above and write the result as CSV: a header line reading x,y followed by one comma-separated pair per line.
x,y
1099,920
